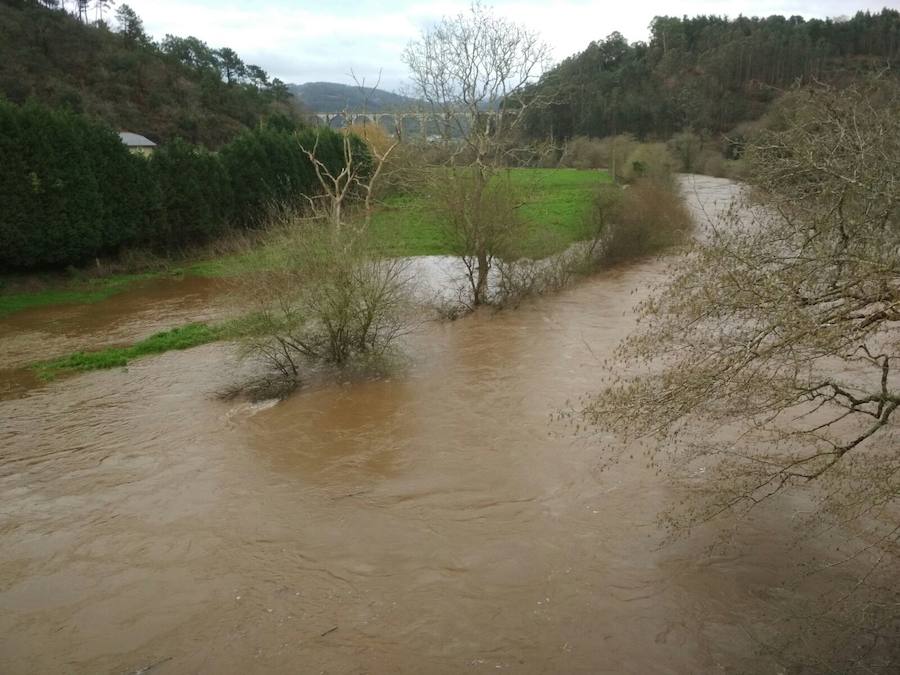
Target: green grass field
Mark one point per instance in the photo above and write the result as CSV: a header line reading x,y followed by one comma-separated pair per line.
x,y
556,201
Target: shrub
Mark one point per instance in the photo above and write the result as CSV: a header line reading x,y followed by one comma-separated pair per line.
x,y
582,152
615,151
686,149
649,161
610,152
646,218
324,298
373,135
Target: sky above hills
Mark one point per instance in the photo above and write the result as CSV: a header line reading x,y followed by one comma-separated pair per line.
x,y
305,41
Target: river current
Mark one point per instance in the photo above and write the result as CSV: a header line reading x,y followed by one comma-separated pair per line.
x,y
435,521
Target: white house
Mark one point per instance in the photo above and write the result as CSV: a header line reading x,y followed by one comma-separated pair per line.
x,y
137,143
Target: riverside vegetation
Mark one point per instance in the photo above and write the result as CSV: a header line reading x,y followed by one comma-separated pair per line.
x,y
564,207
75,192
772,349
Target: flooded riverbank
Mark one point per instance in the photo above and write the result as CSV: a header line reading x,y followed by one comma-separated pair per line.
x,y
434,521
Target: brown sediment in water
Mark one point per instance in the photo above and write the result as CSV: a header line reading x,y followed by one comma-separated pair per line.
x,y
435,521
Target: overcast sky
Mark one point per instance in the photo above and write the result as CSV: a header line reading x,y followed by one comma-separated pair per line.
x,y
305,41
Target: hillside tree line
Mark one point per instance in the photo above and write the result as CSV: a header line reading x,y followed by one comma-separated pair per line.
x,y
73,191
706,73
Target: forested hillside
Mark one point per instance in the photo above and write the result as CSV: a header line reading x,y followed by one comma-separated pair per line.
x,y
707,73
333,97
112,71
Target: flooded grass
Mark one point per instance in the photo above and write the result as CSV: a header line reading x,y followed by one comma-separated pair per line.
x,y
60,290
182,337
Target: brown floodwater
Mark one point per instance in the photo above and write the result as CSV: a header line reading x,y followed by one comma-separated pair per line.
x,y
436,521
146,308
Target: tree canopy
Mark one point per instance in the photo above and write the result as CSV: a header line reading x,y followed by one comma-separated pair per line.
x,y
707,73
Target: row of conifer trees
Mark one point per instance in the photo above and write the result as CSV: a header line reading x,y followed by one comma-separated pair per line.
x,y
72,191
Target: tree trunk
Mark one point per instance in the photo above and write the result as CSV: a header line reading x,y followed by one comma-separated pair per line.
x,y
481,285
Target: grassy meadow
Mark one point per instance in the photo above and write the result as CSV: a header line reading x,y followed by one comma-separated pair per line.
x,y
555,203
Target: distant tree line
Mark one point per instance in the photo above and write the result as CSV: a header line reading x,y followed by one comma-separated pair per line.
x,y
706,73
72,191
115,72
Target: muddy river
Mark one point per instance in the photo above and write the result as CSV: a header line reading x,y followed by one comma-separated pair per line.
x,y
437,521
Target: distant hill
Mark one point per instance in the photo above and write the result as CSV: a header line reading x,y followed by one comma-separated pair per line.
x,y
116,73
334,97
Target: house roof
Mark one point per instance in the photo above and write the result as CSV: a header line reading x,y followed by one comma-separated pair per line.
x,y
136,140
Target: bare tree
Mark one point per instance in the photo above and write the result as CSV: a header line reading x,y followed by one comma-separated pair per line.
x,y
483,224
473,71
336,184
380,148
361,171
770,360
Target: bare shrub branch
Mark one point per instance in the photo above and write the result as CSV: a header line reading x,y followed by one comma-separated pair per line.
x,y
769,361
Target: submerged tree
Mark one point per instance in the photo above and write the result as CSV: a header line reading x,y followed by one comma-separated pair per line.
x,y
324,297
781,330
473,71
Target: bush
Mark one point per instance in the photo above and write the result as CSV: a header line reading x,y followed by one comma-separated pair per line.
x,y
402,166
687,149
645,218
324,298
615,151
582,152
610,152
373,135
649,161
